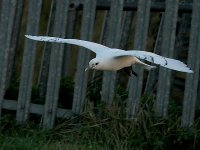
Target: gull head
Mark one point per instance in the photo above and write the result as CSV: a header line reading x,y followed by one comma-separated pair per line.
x,y
94,64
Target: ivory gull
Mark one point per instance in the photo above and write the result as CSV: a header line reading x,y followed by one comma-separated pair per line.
x,y
113,59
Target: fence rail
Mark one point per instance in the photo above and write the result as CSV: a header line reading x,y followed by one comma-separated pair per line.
x,y
80,19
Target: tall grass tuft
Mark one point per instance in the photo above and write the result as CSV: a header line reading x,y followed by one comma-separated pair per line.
x,y
110,131
103,127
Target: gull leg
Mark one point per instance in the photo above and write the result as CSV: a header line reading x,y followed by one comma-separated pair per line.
x,y
146,66
129,71
133,72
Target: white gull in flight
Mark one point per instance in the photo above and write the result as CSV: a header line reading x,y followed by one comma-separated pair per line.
x,y
113,59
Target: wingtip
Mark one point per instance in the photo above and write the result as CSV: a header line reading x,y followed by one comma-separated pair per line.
x,y
190,71
28,36
187,70
32,37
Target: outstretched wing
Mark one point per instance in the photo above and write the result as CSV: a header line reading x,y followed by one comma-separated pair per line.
x,y
156,59
99,49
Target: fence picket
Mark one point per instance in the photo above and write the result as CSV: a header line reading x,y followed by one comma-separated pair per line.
x,y
126,27
6,27
55,66
25,88
135,83
89,8
43,75
69,35
153,75
167,48
112,40
14,39
190,95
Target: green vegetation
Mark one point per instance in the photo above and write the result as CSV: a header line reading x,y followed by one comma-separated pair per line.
x,y
105,131
100,126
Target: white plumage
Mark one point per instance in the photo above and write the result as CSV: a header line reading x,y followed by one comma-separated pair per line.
x,y
116,59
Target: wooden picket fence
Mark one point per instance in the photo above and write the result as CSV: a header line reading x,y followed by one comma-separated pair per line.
x,y
115,32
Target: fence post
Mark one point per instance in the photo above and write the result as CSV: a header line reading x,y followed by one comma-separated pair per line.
x,y
167,48
69,34
55,66
6,27
141,31
190,94
89,8
127,19
14,40
126,27
25,87
43,75
153,75
112,40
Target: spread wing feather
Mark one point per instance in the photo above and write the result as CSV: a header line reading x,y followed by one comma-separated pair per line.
x,y
99,49
156,59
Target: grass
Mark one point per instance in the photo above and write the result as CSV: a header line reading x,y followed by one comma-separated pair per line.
x,y
106,131
99,127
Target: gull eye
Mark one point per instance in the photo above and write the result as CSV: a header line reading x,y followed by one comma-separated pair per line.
x,y
96,63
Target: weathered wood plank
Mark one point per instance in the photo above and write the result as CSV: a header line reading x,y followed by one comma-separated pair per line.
x,y
69,34
167,49
104,29
0,8
198,96
14,39
155,6
153,75
89,8
37,109
126,28
190,94
6,27
43,75
112,40
28,62
127,20
135,83
53,84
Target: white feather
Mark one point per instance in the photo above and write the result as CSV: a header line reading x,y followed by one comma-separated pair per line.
x,y
156,59
99,49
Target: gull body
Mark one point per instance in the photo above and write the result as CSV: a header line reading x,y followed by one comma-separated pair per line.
x,y
112,59
111,64
114,64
